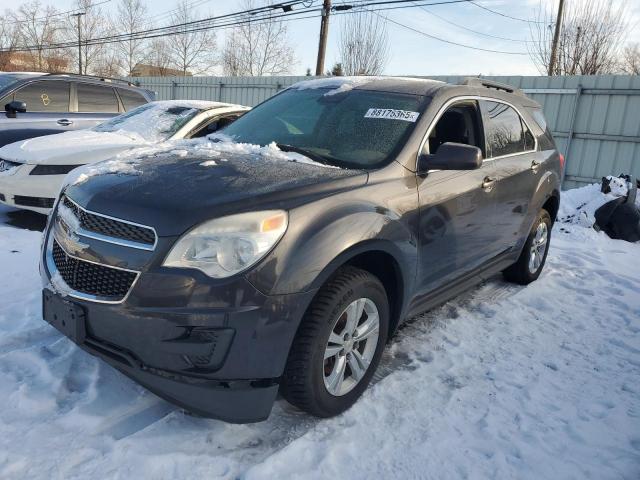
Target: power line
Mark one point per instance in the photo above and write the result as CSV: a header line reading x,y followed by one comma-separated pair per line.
x,y
504,14
265,14
471,30
447,41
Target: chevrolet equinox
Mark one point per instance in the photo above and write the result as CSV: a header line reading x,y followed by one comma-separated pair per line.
x,y
217,287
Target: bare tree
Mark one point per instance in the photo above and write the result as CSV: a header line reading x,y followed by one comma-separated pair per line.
x,y
37,27
630,62
131,17
93,24
158,55
593,32
258,47
8,40
191,51
364,44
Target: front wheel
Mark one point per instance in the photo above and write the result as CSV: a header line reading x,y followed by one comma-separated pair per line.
x,y
338,345
534,253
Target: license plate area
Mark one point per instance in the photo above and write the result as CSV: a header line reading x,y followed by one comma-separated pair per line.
x,y
67,317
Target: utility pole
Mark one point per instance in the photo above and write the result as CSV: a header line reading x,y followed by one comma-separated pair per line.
x,y
78,15
556,37
324,33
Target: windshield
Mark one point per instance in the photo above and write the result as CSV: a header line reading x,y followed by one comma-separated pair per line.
x,y
153,122
350,129
7,79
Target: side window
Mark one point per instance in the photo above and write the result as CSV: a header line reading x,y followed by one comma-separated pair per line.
x,y
215,125
131,99
96,98
45,96
459,124
506,132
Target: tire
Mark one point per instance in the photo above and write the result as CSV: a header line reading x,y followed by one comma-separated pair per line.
x,y
531,260
308,380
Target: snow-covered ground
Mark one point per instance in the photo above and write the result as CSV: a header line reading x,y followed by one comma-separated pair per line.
x,y
540,382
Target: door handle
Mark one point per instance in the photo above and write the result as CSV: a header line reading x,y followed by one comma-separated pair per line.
x,y
535,165
65,122
488,183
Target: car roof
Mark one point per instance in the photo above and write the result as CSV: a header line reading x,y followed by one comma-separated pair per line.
x,y
422,86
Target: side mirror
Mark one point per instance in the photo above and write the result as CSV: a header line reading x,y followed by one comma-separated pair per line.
x,y
451,156
14,107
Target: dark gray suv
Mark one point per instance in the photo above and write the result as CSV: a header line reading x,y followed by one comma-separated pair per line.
x,y
218,283
37,104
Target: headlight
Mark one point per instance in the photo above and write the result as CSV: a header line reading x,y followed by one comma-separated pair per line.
x,y
228,245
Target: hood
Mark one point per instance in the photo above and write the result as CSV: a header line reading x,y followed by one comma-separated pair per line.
x,y
70,148
173,192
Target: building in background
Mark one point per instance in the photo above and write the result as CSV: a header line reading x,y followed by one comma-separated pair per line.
x,y
145,70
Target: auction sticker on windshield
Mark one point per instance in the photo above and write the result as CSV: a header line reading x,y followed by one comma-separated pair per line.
x,y
392,114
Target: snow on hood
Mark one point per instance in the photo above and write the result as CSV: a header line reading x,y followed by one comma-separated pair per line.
x,y
212,147
70,148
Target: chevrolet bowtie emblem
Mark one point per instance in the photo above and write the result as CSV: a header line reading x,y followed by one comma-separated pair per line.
x,y
65,231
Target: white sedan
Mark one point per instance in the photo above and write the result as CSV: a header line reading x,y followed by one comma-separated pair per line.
x,y
32,171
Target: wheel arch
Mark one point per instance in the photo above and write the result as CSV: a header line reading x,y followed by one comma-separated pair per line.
x,y
381,259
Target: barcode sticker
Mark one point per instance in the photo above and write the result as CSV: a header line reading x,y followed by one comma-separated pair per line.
x,y
391,114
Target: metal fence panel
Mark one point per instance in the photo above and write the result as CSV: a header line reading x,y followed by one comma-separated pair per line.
x,y
595,119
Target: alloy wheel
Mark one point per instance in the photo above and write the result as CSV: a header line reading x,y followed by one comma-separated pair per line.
x,y
538,247
351,346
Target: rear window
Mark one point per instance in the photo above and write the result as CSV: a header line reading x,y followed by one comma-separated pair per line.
x,y
95,98
45,96
131,99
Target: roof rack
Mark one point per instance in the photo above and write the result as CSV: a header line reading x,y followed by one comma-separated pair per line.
x,y
97,77
486,83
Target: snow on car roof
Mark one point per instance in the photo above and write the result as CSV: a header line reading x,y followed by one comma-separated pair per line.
x,y
417,86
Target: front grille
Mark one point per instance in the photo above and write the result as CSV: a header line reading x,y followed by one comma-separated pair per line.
x,y
88,278
40,202
111,227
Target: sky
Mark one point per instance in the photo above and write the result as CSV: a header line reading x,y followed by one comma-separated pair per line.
x,y
411,53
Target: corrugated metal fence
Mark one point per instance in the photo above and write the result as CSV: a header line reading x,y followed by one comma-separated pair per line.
x,y
595,119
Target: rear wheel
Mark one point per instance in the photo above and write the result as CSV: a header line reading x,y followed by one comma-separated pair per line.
x,y
534,253
338,345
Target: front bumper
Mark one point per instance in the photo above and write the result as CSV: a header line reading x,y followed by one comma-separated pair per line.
x,y
215,348
29,192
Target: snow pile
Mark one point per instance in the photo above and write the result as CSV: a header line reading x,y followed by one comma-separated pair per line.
x,y
578,206
536,382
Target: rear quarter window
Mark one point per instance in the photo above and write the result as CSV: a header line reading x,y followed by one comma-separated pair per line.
x,y
131,99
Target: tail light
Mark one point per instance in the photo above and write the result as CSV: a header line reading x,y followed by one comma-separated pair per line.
x,y
561,162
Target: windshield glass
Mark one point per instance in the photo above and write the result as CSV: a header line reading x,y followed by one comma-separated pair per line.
x,y
350,129
153,122
6,79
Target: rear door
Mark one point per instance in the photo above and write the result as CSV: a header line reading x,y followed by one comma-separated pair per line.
x,y
47,111
457,208
94,104
511,146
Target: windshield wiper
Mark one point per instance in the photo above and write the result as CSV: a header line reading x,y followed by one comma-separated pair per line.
x,y
303,151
